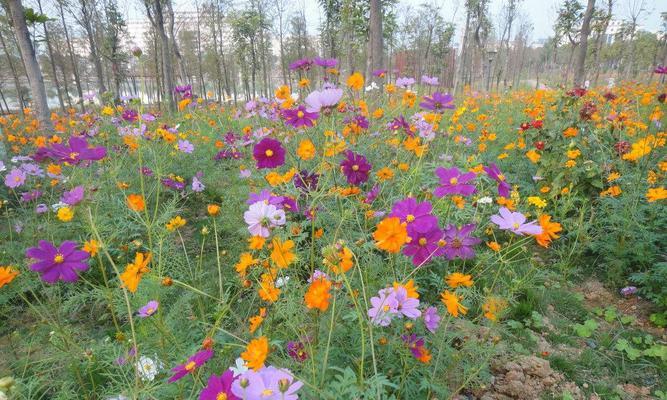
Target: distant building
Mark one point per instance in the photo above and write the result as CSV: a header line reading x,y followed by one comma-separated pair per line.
x,y
539,43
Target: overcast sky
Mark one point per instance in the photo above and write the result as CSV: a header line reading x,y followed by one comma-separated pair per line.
x,y
542,13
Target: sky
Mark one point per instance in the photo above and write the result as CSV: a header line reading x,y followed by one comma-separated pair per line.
x,y
542,13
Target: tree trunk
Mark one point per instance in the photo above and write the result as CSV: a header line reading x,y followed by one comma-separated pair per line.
x,y
580,66
168,77
86,22
375,45
52,59
177,51
202,85
12,68
75,69
37,90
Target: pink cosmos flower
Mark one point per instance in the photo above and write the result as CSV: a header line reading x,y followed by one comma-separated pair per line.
x,y
515,222
261,217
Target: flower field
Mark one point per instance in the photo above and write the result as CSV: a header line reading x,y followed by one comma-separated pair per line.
x,y
339,241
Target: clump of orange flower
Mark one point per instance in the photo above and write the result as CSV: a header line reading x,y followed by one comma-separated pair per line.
x,y
306,150
136,202
338,257
246,260
256,353
355,81
135,270
267,289
318,294
175,223
213,209
282,255
256,320
492,307
655,194
7,275
91,247
390,235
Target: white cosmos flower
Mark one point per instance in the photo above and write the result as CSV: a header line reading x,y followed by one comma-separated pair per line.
x,y
485,200
239,368
282,281
148,368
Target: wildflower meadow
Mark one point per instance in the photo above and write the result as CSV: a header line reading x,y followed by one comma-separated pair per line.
x,y
346,236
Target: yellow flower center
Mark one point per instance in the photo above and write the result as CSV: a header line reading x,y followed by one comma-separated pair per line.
x,y
515,225
190,366
422,241
386,308
410,218
299,114
355,167
59,258
501,177
267,392
269,153
442,242
221,396
453,181
150,311
73,155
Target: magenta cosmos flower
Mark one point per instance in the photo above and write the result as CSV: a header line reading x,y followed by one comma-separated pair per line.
x,y
73,197
61,263
78,150
459,243
660,69
219,387
438,102
515,222
149,309
191,365
494,173
452,181
355,167
269,153
416,214
268,383
299,117
423,244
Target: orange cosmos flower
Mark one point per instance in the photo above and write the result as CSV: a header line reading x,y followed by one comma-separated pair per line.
x,y
306,150
390,235
256,353
655,194
91,247
256,321
457,279
7,275
246,260
355,81
213,209
453,303
318,294
267,289
409,287
136,202
135,270
549,230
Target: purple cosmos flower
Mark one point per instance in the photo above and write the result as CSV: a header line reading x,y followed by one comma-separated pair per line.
x,y
41,208
415,344
515,222
381,311
326,62
423,245
261,217
318,274
379,73
32,195
185,146
417,215
149,309
428,80
297,351
660,69
191,365
145,171
300,117
219,387
73,197
148,117
197,185
306,181
370,197
173,184
326,99
431,319
438,102
452,181
400,123
58,263
78,150
268,383
15,178
405,82
405,305
32,169
355,167
266,196
459,243
628,291
269,153
302,64
494,173
130,115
